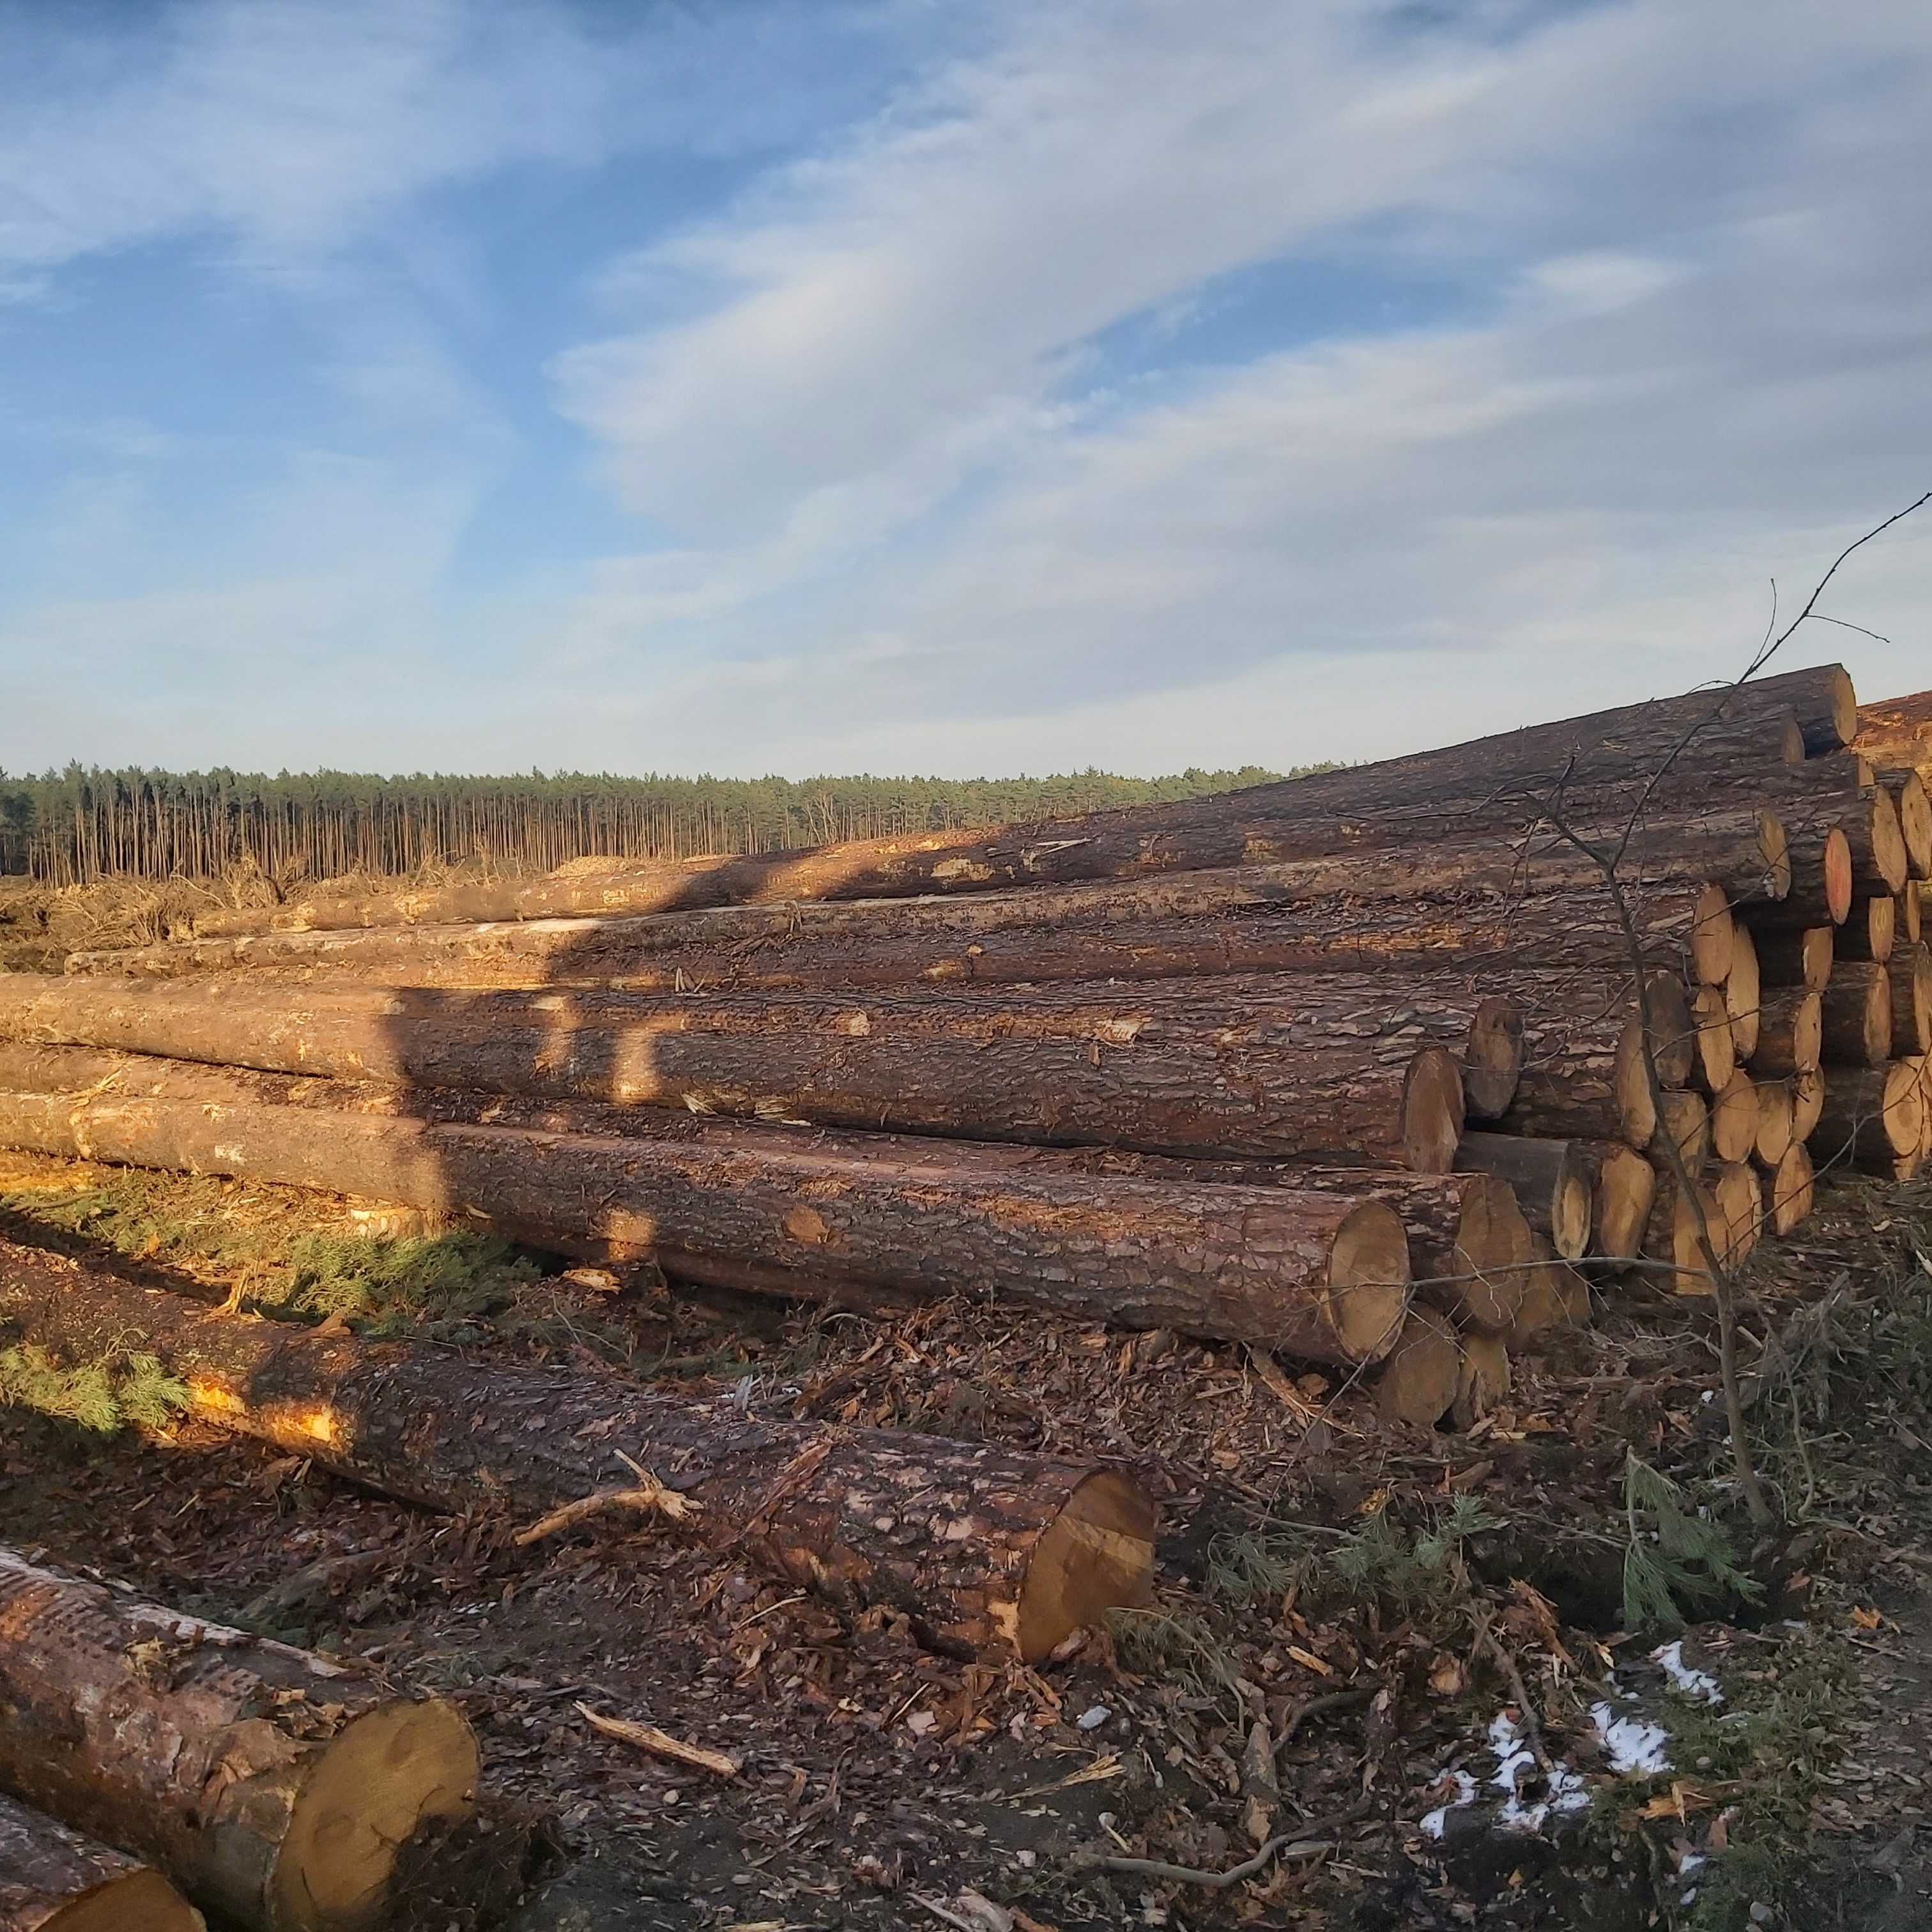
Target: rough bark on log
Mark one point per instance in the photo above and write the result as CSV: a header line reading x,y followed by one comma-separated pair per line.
x,y
1788,1191
1461,792
1584,1079
1551,1181
271,1787
1873,1116
1549,998
1775,1113
1417,1386
1312,1274
1856,1014
1741,992
1624,1185
1312,1065
1242,920
1790,1037
1909,972
1734,1120
990,1551
1684,1120
1799,959
54,1880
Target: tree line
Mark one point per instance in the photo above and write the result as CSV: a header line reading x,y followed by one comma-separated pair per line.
x,y
84,824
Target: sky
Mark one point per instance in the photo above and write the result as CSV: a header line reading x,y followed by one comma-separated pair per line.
x,y
952,386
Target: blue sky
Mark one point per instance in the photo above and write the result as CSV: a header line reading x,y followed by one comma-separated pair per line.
x,y
941,384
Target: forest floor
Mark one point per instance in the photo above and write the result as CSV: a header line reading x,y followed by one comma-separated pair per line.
x,y
1362,1606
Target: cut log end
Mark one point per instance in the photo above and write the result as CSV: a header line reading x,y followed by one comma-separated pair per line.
x,y
1885,842
1636,1112
1741,1208
1713,1045
1837,869
1483,1380
1674,1238
1915,819
1740,996
1776,1110
1571,1215
143,1902
1433,1110
1626,1187
1910,974
1687,1126
1734,1119
387,1774
53,1878
1881,925
1857,1014
1492,1062
1713,935
1419,1382
1788,1191
1837,721
1808,1101
1674,1018
1369,1272
1096,1555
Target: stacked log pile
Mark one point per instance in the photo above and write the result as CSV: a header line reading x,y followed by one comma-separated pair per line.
x,y
1361,1068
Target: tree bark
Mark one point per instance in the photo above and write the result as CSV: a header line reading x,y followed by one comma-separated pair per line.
x,y
53,1880
991,1552
1312,1065
1552,1181
1314,1274
1910,973
1790,1037
1240,921
271,1787
1856,1012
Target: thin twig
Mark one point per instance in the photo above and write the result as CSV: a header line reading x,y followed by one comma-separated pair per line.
x,y
1306,1840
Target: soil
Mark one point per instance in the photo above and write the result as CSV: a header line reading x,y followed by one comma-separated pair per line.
x,y
884,1786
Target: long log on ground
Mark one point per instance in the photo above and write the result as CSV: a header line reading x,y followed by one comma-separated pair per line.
x,y
1790,1037
1623,1186
1552,1180
1856,1014
1485,789
990,1551
55,1879
273,1787
1252,919
1801,958
1313,1065
1314,1274
1909,972
1874,1118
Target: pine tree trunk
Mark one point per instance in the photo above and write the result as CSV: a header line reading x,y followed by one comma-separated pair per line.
x,y
271,1786
991,1552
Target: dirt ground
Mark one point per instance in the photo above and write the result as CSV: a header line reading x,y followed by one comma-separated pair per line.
x,y
1365,1600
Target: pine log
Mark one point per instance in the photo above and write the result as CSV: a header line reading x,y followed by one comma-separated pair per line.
x,y
1801,958
1734,1186
1584,1079
1856,1014
1910,973
53,1880
1687,1231
1709,1029
1873,1116
1485,789
1623,1186
1483,1380
1897,732
1312,1274
271,1787
1551,1181
1776,1112
990,1551
1869,931
1741,992
1241,920
1808,1101
1734,1120
1312,1065
1788,1192
1684,1120
1417,1385
1907,790
1790,1034
1819,859
1911,912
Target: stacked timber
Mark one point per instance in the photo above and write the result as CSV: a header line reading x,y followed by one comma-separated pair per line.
x,y
1361,1068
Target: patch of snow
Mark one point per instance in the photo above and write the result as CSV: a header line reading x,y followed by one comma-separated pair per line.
x,y
1437,1821
1686,1680
1630,1744
1567,1791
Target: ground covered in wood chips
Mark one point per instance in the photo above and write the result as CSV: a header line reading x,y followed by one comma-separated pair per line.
x,y
1354,1628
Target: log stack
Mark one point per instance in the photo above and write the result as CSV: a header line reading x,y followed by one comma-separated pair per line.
x,y
1359,1067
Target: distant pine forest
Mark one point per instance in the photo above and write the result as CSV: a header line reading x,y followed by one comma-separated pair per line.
x,y
85,824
